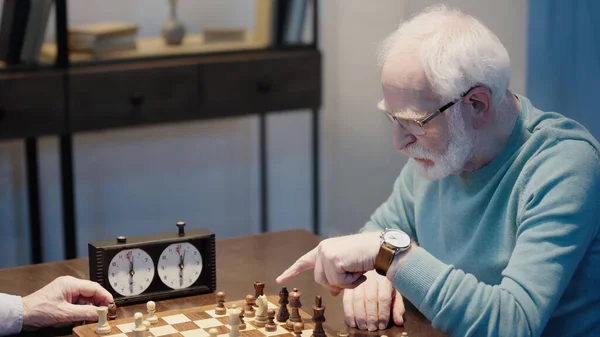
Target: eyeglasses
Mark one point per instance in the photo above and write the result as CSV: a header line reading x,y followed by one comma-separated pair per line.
x,y
417,126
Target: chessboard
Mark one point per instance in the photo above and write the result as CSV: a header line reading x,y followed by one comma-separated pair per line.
x,y
203,321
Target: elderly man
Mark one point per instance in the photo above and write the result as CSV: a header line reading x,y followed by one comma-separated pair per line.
x,y
491,224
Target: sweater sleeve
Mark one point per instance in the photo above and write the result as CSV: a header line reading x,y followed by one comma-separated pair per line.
x,y
557,223
398,210
11,314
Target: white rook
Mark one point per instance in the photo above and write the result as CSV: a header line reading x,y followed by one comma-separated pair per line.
x,y
103,327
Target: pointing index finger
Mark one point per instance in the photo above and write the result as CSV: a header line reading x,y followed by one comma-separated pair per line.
x,y
306,262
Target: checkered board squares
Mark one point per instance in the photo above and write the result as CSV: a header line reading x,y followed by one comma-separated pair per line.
x,y
196,322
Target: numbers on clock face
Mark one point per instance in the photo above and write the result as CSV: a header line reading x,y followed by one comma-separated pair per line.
x,y
131,272
179,265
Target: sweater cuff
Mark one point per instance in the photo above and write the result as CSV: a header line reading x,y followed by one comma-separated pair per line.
x,y
417,275
11,314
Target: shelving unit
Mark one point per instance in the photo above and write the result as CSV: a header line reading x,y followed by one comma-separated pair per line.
x,y
76,95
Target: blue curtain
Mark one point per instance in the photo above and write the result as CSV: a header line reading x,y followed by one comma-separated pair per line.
x,y
563,59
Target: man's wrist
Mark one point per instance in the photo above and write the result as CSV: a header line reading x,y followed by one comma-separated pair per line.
x,y
398,261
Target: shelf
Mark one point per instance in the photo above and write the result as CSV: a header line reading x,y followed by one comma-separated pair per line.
x,y
155,46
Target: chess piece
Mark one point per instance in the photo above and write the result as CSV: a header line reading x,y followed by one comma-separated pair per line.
x,y
298,327
249,310
242,323
138,318
152,318
147,324
220,309
271,326
141,330
261,312
295,304
213,332
234,321
112,310
103,327
318,318
283,314
259,289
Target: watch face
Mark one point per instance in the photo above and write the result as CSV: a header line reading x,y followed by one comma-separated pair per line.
x,y
130,272
397,238
179,265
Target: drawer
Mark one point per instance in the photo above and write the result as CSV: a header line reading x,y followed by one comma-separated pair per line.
x,y
31,105
262,85
120,97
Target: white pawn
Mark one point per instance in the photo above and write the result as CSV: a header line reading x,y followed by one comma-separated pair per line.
x,y
213,332
103,327
152,318
138,319
141,331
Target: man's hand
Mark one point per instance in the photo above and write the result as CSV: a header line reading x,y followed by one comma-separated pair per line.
x,y
66,299
339,263
369,305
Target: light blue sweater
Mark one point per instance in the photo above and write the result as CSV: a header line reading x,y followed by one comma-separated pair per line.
x,y
513,248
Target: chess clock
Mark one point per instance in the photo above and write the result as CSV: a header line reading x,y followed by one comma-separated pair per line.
x,y
153,267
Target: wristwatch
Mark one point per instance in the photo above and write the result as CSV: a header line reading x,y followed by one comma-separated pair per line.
x,y
393,241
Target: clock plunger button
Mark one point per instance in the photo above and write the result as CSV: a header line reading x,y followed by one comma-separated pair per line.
x,y
121,239
180,226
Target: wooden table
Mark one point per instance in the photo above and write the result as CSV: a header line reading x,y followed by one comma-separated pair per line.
x,y
240,262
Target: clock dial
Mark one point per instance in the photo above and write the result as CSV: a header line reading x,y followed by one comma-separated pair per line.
x,y
179,265
397,238
131,272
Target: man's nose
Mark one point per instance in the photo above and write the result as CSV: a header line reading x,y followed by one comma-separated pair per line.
x,y
402,138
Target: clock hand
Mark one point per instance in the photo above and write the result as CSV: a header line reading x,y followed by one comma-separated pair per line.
x,y
131,272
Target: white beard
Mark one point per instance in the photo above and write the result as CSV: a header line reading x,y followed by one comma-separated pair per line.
x,y
459,151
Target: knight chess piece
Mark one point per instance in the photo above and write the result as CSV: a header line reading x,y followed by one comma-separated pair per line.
x,y
249,310
283,314
271,325
261,312
220,309
295,304
318,318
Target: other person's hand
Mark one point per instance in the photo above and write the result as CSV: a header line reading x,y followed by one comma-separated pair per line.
x,y
66,299
369,305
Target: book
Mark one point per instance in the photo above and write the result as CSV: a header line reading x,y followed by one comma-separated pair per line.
x,y
102,37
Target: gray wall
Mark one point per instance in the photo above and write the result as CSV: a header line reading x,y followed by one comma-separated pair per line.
x,y
141,180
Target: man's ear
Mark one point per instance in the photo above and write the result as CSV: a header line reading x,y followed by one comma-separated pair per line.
x,y
481,100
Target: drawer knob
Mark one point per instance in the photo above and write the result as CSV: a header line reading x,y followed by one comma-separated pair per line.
x,y
137,99
264,87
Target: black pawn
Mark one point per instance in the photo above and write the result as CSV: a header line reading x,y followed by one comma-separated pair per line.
x,y
271,326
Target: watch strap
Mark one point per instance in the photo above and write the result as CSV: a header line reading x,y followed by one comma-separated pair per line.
x,y
384,258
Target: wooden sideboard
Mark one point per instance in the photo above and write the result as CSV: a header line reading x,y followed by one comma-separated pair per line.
x,y
79,98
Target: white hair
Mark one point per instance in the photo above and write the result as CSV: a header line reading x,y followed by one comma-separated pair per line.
x,y
456,50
